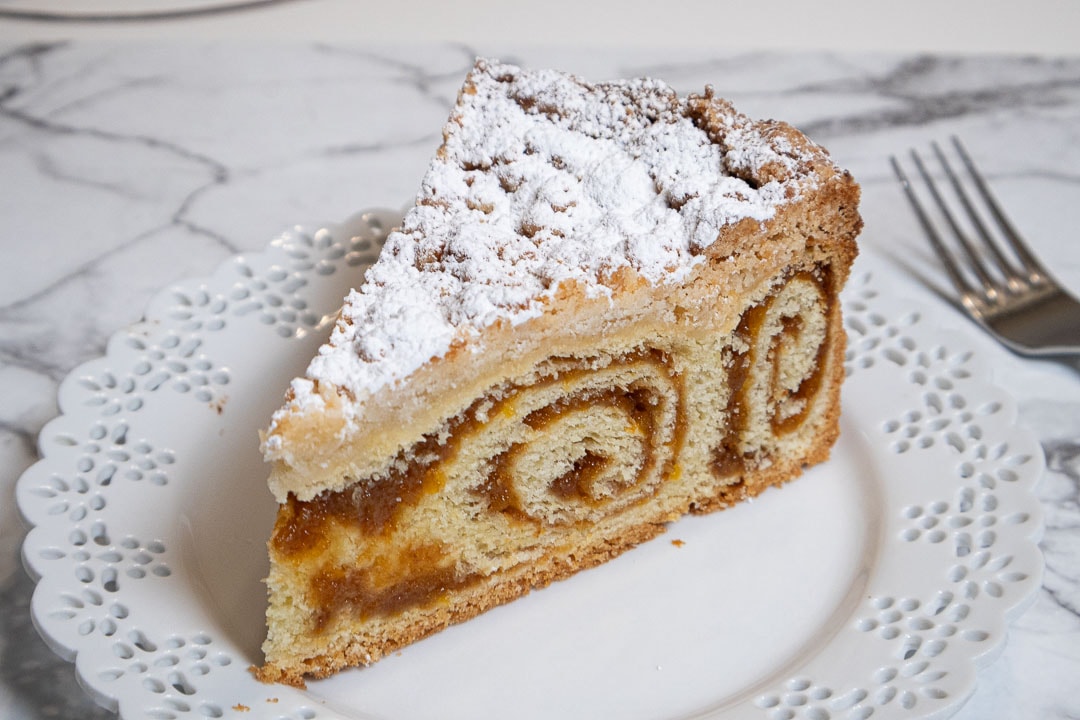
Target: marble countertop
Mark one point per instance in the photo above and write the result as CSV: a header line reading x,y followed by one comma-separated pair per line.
x,y
967,26
127,165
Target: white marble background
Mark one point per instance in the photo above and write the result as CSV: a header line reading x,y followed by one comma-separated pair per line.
x,y
126,165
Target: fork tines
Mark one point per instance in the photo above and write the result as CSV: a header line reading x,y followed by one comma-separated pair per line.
x,y
996,273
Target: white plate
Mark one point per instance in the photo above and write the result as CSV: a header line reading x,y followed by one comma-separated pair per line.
x,y
875,585
121,10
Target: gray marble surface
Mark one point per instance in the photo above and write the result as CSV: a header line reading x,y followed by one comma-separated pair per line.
x,y
125,166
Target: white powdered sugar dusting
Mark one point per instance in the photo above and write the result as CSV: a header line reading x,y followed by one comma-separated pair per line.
x,y
543,179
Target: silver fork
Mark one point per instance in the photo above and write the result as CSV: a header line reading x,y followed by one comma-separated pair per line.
x,y
1006,290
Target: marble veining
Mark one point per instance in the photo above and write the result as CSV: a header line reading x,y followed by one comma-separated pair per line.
x,y
126,166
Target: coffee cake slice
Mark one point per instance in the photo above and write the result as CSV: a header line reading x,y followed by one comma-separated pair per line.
x,y
610,306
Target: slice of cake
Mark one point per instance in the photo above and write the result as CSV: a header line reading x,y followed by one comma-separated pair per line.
x,y
610,306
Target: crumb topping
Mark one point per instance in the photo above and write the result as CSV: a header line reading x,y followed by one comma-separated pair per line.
x,y
544,178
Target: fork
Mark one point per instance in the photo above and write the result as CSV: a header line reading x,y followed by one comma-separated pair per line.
x,y
1005,290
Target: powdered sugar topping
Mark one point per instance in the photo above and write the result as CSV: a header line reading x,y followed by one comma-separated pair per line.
x,y
543,179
